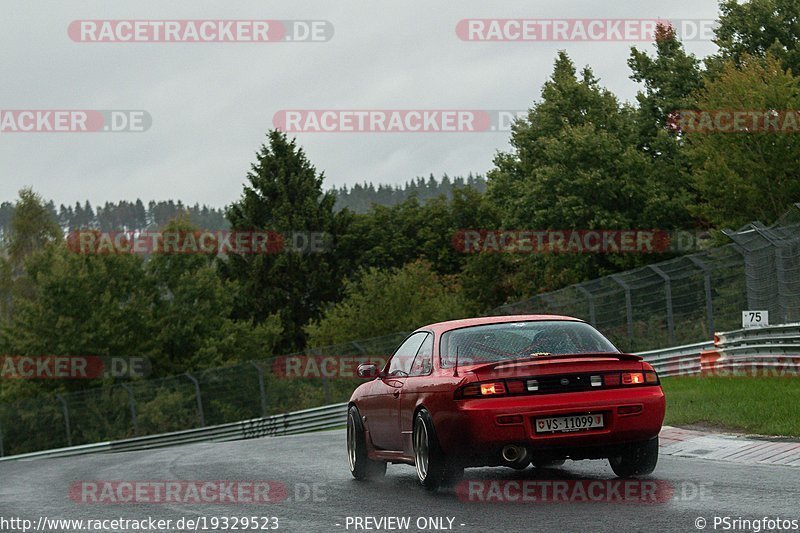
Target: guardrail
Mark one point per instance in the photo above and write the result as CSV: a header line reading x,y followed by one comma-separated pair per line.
x,y
773,350
769,348
316,419
678,360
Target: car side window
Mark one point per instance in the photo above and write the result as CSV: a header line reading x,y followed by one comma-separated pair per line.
x,y
423,362
400,364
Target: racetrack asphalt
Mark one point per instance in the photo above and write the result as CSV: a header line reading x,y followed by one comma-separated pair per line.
x,y
321,494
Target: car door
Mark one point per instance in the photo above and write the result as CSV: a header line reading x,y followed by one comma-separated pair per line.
x,y
382,408
418,378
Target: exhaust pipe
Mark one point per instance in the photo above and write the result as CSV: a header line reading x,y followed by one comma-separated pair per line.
x,y
516,456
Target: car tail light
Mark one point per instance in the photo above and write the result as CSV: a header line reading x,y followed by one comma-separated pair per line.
x,y
481,390
629,409
632,378
550,384
497,388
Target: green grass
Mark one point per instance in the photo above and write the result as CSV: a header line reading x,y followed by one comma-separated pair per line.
x,y
760,405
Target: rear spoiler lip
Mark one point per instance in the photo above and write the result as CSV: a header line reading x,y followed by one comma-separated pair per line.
x,y
496,364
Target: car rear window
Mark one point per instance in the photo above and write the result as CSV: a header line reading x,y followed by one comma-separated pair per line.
x,y
515,340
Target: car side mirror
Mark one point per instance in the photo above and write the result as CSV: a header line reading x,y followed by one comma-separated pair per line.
x,y
368,371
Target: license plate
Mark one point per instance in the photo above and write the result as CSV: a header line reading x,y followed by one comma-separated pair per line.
x,y
568,424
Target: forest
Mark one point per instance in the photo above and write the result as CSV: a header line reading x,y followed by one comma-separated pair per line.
x,y
581,159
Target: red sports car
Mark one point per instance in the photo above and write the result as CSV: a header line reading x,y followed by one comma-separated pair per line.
x,y
510,390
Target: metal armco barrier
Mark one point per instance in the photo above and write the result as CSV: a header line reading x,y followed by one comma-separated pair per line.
x,y
316,419
769,351
773,350
678,360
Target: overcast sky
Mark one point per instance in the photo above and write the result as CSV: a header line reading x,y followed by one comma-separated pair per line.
x,y
212,103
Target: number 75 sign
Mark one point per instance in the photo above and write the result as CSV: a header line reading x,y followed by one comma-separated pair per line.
x,y
755,319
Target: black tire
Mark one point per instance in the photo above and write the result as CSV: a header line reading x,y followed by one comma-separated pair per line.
x,y
361,466
429,460
637,459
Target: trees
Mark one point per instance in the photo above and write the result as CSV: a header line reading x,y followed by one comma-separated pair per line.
x,y
573,162
173,309
576,163
80,304
747,176
580,159
670,80
193,325
380,302
361,198
283,193
756,28
32,227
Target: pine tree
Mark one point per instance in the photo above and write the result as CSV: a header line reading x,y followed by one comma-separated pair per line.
x,y
284,194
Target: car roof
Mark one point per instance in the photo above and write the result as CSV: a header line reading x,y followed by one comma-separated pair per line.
x,y
441,327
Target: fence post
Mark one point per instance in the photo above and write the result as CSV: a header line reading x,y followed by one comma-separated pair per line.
x,y
590,298
200,414
65,408
628,307
707,286
668,294
261,389
758,258
132,405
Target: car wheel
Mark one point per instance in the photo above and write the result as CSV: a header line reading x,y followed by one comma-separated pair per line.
x,y
429,460
361,466
636,460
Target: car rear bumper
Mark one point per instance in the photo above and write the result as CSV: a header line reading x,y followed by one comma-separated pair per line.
x,y
474,428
